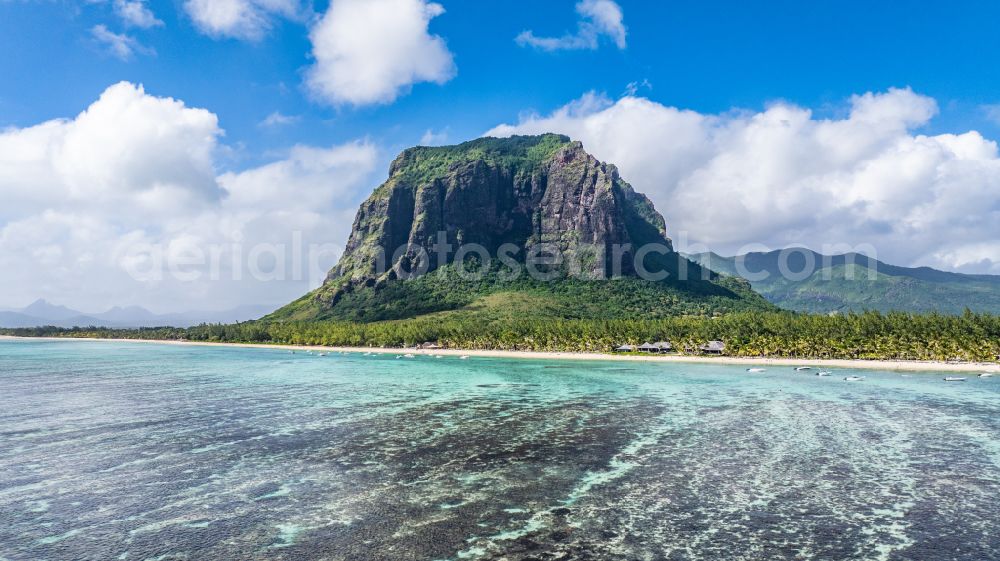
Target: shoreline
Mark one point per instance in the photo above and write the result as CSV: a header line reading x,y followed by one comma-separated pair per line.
x,y
904,365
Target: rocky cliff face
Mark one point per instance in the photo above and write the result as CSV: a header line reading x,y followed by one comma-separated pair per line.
x,y
524,191
520,201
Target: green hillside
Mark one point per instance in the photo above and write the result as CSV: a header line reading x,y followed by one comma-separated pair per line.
x,y
846,283
444,292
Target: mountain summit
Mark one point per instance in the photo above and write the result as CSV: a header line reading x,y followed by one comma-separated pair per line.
x,y
535,216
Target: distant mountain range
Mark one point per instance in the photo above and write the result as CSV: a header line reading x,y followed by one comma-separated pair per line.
x,y
854,282
41,313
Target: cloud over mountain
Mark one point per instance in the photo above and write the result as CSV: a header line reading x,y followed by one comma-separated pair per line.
x,y
783,176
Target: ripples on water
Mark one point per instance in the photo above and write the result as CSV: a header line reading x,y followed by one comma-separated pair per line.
x,y
129,451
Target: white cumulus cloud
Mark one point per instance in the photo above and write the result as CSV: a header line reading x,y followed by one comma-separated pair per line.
x,y
782,176
240,19
135,13
598,18
372,51
126,148
124,204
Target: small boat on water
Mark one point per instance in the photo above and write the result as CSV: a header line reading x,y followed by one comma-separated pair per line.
x,y
803,368
854,378
824,373
464,357
954,379
408,355
755,370
986,375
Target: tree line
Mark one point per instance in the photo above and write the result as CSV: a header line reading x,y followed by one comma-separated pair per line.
x,y
868,335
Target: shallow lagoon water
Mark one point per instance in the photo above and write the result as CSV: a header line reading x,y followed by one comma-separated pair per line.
x,y
142,452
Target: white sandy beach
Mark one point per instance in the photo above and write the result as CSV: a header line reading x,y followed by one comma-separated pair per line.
x,y
918,366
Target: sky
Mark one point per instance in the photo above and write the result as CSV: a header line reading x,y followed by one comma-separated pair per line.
x,y
204,154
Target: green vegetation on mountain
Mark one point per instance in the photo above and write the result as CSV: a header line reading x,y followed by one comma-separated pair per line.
x,y
853,282
531,193
444,291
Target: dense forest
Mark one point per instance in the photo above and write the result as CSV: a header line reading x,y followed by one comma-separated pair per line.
x,y
870,335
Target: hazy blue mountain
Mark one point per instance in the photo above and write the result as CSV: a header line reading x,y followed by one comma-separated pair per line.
x,y
131,314
44,310
16,319
42,313
186,319
854,282
20,319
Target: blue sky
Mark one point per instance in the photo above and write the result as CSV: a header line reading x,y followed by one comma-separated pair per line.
x,y
861,123
707,56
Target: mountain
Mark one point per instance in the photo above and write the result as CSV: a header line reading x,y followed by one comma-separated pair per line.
x,y
187,319
854,282
130,315
43,309
14,318
17,319
42,313
519,198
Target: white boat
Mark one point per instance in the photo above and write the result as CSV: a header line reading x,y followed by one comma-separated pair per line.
x,y
464,357
824,373
954,379
801,368
756,370
408,356
854,378
986,375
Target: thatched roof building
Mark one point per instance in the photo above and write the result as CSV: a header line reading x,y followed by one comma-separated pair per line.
x,y
713,347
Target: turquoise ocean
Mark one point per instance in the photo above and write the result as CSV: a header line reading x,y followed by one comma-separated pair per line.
x,y
159,452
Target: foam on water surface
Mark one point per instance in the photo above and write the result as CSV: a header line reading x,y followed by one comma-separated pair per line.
x,y
116,450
